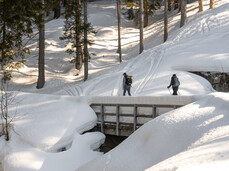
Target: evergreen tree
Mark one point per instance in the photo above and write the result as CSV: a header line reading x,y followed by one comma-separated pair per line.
x,y
133,10
200,5
119,31
146,13
165,20
169,5
57,9
212,4
141,26
175,4
73,31
183,12
86,54
16,22
41,58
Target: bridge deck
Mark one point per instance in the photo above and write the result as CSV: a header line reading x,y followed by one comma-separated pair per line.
x,y
121,116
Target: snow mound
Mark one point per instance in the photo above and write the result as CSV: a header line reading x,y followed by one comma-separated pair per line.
x,y
106,32
173,136
52,120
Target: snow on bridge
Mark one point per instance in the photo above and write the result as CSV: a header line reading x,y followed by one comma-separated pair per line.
x,y
121,116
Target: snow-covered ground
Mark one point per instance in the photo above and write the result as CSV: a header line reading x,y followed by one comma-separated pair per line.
x,y
194,137
54,118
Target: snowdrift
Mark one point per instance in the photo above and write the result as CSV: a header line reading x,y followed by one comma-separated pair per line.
x,y
43,127
197,133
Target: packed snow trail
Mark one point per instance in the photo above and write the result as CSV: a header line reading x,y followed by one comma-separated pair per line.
x,y
157,55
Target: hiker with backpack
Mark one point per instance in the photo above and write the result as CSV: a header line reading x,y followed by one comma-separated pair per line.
x,y
174,83
126,84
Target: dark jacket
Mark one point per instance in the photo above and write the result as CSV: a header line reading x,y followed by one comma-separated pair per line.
x,y
172,82
124,82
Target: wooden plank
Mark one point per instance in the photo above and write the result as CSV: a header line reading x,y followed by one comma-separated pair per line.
x,y
114,114
125,115
124,105
167,106
154,112
102,117
113,124
139,105
144,105
117,120
135,116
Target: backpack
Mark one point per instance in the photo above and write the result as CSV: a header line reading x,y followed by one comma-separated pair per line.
x,y
176,82
129,80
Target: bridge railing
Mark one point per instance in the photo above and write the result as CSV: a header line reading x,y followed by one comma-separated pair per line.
x,y
123,115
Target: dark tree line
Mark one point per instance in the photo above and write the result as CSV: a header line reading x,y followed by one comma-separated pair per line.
x,y
17,18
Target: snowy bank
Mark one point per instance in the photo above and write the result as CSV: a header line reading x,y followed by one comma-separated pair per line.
x,y
43,126
198,126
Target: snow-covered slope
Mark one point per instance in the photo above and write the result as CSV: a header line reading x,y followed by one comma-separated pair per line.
x,y
48,123
194,137
44,125
187,49
201,45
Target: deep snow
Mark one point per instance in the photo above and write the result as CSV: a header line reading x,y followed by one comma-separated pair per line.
x,y
48,121
194,137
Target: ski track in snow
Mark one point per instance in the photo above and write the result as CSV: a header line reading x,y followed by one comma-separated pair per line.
x,y
154,65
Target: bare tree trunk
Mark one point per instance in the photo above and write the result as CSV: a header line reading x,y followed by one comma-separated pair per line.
x,y
146,13
78,63
183,13
119,31
180,3
41,60
200,5
212,4
165,20
4,108
85,42
141,26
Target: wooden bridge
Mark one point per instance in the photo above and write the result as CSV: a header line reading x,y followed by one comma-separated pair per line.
x,y
121,116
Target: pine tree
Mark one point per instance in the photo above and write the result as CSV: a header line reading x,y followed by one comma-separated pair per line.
x,y
41,59
86,54
16,22
73,31
169,5
119,31
175,4
200,5
146,13
212,4
165,20
141,26
183,13
133,10
57,9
